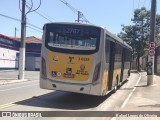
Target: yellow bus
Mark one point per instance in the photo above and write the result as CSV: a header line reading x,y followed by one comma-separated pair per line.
x,y
82,58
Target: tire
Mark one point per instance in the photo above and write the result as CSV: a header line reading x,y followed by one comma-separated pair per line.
x,y
116,85
115,88
129,72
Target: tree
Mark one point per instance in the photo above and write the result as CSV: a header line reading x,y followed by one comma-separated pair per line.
x,y
158,30
137,35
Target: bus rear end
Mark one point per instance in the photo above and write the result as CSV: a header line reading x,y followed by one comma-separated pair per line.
x,y
70,58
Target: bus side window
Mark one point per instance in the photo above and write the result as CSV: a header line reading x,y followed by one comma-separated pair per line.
x,y
118,53
51,36
128,55
107,50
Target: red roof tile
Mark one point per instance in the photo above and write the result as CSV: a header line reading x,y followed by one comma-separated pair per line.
x,y
30,39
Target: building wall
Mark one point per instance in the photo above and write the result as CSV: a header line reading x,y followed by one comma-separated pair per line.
x,y
9,54
9,50
8,58
30,63
33,50
37,63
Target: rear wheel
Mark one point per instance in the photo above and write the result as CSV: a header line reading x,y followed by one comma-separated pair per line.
x,y
129,72
115,88
116,85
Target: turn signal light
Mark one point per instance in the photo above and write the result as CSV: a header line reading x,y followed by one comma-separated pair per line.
x,y
43,68
96,73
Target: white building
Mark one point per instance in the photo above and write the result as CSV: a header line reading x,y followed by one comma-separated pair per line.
x,y
9,53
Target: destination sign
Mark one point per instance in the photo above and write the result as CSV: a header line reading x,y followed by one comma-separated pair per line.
x,y
72,31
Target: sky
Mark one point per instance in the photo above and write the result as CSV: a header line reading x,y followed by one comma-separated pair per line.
x,y
110,14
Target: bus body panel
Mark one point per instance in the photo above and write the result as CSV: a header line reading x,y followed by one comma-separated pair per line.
x,y
78,88
77,84
105,82
97,86
69,67
82,72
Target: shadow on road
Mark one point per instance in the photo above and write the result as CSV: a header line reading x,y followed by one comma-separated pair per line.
x,y
141,86
155,105
64,100
134,71
8,79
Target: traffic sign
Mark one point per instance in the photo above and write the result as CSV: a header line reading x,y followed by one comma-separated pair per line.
x,y
152,45
151,52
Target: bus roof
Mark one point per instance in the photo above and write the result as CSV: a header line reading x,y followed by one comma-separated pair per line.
x,y
118,39
73,23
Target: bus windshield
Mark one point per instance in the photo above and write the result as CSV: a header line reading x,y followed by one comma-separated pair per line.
x,y
72,37
62,41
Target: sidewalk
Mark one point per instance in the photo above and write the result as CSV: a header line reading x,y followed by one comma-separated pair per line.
x,y
11,76
144,98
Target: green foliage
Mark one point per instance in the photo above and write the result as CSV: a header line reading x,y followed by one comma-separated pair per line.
x,y
137,35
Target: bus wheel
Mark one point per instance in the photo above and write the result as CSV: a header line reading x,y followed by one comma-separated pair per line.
x,y
116,85
115,88
129,72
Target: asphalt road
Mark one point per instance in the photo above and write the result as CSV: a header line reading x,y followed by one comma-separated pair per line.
x,y
27,96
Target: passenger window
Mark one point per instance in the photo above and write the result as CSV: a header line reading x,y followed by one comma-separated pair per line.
x,y
107,50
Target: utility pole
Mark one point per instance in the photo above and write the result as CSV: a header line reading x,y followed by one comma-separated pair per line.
x,y
15,30
152,45
79,13
22,44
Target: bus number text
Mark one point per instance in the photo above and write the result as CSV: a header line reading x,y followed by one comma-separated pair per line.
x,y
84,59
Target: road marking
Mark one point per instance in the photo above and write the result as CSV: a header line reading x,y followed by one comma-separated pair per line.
x,y
7,105
18,87
125,102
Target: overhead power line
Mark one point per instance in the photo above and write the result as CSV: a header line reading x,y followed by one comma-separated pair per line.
x,y
40,13
81,16
71,7
34,29
18,20
34,26
31,8
10,17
